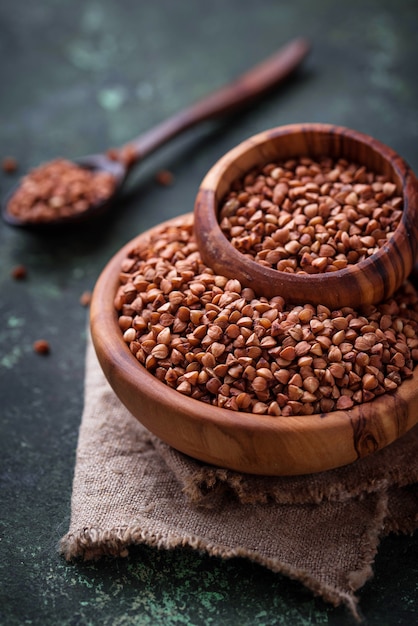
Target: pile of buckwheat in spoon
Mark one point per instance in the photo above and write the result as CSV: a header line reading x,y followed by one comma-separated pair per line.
x,y
59,188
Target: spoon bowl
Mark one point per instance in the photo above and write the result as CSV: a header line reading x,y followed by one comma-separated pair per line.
x,y
94,163
240,93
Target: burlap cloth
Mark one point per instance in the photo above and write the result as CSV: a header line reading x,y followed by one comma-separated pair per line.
x,y
323,530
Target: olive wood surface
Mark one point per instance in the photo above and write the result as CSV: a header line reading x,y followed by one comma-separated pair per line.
x,y
369,281
256,444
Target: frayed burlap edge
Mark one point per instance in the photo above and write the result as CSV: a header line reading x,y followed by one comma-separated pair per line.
x,y
94,543
204,484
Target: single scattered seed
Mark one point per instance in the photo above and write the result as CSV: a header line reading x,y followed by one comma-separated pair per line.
x,y
59,188
9,165
85,298
19,272
41,346
165,178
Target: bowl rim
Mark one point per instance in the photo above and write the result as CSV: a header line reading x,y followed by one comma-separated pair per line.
x,y
390,415
211,237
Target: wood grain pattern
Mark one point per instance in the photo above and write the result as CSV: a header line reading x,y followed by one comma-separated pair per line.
x,y
256,444
369,281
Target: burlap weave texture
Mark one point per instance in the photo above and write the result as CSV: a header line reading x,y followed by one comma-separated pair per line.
x,y
323,530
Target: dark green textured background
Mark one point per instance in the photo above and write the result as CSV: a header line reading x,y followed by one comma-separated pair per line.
x,y
77,77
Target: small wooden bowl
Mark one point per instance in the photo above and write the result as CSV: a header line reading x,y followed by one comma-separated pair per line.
x,y
256,444
369,281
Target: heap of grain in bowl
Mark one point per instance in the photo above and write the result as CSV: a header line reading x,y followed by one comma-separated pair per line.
x,y
213,340
308,216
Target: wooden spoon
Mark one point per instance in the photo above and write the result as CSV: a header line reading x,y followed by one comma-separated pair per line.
x,y
250,86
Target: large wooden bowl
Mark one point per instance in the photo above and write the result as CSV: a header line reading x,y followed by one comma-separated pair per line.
x,y
244,442
369,281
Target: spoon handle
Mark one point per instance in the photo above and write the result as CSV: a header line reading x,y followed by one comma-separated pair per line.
x,y
237,94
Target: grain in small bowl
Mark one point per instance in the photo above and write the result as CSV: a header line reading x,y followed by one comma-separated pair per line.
x,y
331,194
